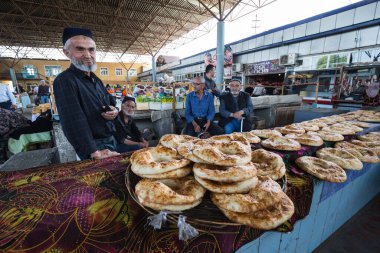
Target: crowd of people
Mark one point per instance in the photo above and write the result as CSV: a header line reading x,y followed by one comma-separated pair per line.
x,y
96,128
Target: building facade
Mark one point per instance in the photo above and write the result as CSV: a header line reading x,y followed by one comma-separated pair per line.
x,y
312,50
30,71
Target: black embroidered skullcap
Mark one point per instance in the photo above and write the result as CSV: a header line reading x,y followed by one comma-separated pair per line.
x,y
70,32
128,99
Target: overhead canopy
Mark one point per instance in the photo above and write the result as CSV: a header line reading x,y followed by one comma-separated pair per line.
x,y
125,26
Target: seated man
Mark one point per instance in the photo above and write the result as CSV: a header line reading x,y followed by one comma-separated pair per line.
x,y
200,110
233,107
127,134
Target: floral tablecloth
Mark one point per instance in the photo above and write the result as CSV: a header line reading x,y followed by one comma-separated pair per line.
x,y
85,207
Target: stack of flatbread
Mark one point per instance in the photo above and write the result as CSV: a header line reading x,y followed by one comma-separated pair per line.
x,y
224,164
264,207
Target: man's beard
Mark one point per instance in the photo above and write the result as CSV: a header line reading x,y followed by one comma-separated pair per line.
x,y
235,93
128,114
83,67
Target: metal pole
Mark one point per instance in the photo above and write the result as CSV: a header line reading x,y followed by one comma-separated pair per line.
x,y
153,69
220,53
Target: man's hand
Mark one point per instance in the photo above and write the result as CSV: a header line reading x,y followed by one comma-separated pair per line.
x,y
110,115
144,144
238,115
14,107
207,125
100,154
197,128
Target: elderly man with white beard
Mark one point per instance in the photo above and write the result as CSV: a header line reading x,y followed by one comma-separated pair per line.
x,y
233,107
128,136
85,108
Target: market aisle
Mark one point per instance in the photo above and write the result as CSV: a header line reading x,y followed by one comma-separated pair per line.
x,y
359,234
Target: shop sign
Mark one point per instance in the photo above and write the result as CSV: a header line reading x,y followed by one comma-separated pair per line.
x,y
264,67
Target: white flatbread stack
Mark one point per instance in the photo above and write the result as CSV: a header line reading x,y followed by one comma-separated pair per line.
x,y
264,207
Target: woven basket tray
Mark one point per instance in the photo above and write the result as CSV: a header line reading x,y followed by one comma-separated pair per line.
x,y
205,217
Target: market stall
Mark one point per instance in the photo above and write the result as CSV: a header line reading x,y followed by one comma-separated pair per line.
x,y
88,205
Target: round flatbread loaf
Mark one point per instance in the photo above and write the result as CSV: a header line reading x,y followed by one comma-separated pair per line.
x,y
339,130
357,123
341,157
306,139
318,123
266,133
373,136
328,136
156,160
228,138
252,139
174,140
266,193
223,187
268,164
225,174
281,143
265,219
224,154
343,125
170,191
165,207
322,169
186,150
291,129
178,173
373,145
370,118
336,118
308,127
365,155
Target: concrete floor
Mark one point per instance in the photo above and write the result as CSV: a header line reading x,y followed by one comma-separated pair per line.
x,y
361,234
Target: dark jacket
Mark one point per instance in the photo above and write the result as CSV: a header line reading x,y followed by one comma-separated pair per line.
x,y
243,100
79,100
126,131
211,85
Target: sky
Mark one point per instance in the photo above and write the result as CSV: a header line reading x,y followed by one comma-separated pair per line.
x,y
278,13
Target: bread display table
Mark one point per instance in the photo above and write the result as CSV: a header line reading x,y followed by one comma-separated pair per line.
x,y
86,206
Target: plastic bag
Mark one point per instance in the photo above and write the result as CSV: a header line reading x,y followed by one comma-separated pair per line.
x,y
156,221
186,231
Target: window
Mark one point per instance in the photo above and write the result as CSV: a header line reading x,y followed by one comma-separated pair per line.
x,y
104,71
52,70
132,72
29,71
119,71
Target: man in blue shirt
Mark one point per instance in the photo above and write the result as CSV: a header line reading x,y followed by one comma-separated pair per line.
x,y
200,110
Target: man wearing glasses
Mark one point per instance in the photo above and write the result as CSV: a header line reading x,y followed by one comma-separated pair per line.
x,y
200,110
233,107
